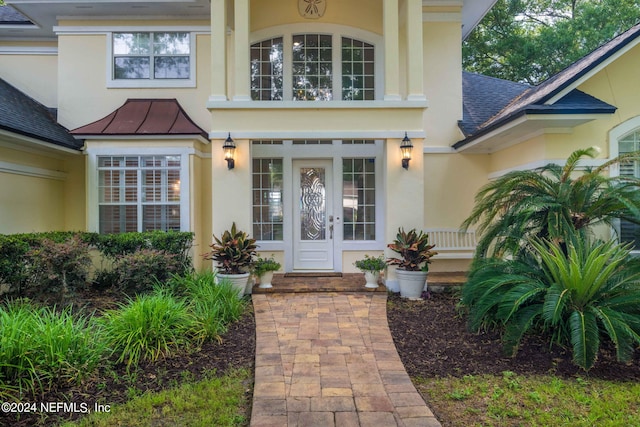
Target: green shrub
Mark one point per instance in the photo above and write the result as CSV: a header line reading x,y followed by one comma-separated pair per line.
x,y
147,327
13,264
33,259
59,267
172,242
213,305
577,292
141,270
40,347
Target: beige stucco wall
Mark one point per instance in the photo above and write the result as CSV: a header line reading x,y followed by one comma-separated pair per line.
x,y
83,93
231,189
364,14
38,192
30,204
35,74
201,212
442,82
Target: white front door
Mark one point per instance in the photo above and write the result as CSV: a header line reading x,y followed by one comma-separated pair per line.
x,y
312,215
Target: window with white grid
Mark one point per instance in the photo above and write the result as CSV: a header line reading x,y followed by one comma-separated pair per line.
x,y
359,198
358,77
266,70
312,67
267,199
138,193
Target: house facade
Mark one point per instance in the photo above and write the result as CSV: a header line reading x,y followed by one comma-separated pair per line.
x,y
285,117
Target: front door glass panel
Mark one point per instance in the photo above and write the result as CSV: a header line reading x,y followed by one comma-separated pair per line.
x,y
312,204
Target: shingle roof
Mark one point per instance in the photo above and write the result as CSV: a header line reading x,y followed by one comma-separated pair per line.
x,y
10,16
144,117
483,95
23,115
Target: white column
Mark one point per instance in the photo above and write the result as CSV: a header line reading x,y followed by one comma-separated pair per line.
x,y
241,51
218,50
415,52
391,50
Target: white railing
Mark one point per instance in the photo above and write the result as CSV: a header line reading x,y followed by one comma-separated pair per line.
x,y
451,243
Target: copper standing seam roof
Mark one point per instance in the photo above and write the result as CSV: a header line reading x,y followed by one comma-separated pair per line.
x,y
138,117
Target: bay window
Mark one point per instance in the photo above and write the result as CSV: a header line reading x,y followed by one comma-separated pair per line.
x,y
139,193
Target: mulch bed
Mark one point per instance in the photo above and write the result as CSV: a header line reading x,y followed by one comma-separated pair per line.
x,y
114,385
430,335
433,341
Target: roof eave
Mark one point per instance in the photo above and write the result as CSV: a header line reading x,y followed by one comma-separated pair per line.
x,y
526,124
147,137
18,137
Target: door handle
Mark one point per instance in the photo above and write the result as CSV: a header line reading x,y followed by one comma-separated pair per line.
x,y
331,231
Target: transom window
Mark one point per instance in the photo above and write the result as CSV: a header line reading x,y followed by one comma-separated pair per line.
x,y
306,67
151,55
138,193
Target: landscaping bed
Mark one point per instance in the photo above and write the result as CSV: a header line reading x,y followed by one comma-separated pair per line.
x,y
113,384
430,335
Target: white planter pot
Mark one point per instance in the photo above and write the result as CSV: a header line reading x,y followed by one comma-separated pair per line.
x,y
239,281
412,283
371,277
265,280
251,281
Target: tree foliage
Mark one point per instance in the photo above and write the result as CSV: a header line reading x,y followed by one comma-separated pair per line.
x,y
530,40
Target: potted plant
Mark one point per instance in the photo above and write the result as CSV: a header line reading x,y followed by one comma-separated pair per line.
x,y
233,253
263,269
371,267
413,264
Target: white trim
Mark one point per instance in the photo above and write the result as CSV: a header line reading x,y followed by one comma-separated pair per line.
x,y
28,50
315,105
541,163
17,169
129,138
36,145
329,134
336,151
91,30
111,82
548,129
93,153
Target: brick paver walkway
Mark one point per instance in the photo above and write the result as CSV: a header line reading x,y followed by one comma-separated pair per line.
x,y
328,359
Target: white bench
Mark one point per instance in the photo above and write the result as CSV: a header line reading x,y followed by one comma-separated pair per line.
x,y
451,243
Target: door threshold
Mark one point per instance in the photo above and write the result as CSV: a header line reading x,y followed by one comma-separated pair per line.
x,y
313,274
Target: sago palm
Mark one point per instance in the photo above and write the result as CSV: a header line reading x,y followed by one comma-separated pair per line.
x,y
575,293
551,202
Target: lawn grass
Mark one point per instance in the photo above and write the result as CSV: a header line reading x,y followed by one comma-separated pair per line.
x,y
217,401
516,400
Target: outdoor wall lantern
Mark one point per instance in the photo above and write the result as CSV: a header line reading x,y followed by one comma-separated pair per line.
x,y
229,148
406,147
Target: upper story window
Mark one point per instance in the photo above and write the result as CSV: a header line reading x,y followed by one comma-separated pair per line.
x,y
152,59
312,67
